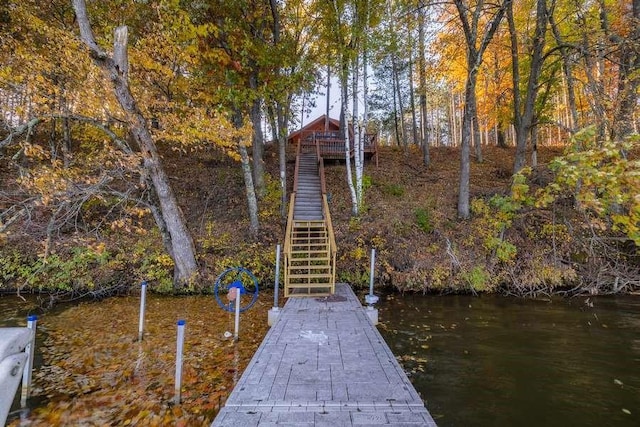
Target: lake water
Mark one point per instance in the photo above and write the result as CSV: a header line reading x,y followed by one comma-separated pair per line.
x,y
477,361
495,361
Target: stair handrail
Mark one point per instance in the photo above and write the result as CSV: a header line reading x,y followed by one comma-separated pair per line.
x,y
287,233
332,238
323,182
297,167
327,216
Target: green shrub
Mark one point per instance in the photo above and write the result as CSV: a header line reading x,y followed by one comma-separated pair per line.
x,y
423,219
477,278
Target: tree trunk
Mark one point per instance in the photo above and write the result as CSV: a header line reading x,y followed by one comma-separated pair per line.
x,y
394,66
280,118
568,76
395,112
628,79
182,247
257,144
328,99
534,147
344,95
475,52
501,134
453,123
477,139
358,148
252,201
414,122
465,149
422,72
524,114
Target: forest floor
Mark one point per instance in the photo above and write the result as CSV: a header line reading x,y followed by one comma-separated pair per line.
x,y
409,217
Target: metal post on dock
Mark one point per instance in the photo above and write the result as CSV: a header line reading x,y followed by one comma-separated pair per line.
x,y
32,322
371,299
143,301
236,325
273,314
179,350
372,270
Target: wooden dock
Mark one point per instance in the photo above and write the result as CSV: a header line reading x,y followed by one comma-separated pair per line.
x,y
324,364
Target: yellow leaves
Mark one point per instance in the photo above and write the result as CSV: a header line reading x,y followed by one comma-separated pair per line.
x,y
110,327
35,152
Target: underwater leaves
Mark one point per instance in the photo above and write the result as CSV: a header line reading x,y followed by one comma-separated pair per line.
x,y
95,372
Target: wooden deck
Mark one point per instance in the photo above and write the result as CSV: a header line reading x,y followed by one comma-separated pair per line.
x,y
331,144
324,364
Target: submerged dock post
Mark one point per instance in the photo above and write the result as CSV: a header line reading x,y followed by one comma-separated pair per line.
x,y
273,314
370,299
143,300
236,325
179,350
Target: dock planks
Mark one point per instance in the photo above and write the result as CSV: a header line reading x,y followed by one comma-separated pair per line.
x,y
324,364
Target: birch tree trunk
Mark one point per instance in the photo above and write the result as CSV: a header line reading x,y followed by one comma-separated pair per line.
x,y
182,249
344,95
358,149
252,201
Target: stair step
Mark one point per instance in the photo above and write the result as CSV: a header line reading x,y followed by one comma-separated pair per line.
x,y
310,252
321,232
297,262
307,235
313,273
309,278
309,239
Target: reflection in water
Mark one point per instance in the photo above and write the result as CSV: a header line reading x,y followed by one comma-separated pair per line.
x,y
494,361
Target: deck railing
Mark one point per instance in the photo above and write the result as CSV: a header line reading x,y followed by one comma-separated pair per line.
x,y
330,144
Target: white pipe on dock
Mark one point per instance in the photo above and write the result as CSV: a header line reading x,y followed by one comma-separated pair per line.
x,y
276,284
236,325
274,312
179,349
372,270
143,300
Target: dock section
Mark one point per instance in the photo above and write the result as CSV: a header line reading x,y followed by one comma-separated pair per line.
x,y
324,364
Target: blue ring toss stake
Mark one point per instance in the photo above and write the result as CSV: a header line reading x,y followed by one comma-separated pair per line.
x,y
181,322
243,281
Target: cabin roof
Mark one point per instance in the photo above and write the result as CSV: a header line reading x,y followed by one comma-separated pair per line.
x,y
315,125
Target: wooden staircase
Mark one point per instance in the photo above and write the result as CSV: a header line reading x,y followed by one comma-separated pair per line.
x,y
309,250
